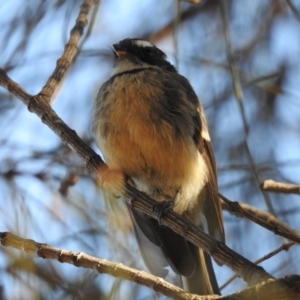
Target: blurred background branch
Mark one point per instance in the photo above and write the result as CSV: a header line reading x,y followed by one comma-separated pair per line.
x,y
280,187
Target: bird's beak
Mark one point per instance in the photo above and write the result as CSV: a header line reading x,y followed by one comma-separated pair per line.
x,y
118,51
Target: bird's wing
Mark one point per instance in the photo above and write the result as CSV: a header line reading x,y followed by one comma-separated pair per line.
x,y
212,206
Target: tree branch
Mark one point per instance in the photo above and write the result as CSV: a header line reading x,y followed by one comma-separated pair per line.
x,y
239,96
280,187
82,260
281,289
283,247
71,49
262,218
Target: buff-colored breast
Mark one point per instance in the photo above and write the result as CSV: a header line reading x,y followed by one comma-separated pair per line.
x,y
147,149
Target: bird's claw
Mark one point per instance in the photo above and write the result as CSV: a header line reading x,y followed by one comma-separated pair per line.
x,y
162,208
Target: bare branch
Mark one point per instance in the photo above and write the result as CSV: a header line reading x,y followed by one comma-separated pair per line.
x,y
238,92
80,259
280,187
284,288
185,16
69,180
284,247
262,218
193,1
70,52
293,9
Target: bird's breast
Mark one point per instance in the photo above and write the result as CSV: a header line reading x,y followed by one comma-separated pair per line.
x,y
148,149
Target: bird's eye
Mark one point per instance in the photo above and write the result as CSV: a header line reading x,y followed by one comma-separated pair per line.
x,y
148,51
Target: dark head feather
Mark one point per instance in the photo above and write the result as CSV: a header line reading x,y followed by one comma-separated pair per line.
x,y
145,52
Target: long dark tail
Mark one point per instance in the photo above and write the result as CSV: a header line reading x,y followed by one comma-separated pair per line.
x,y
203,281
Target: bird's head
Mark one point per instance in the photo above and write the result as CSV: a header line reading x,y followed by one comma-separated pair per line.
x,y
140,51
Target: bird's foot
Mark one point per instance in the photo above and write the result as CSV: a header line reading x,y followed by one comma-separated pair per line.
x,y
162,208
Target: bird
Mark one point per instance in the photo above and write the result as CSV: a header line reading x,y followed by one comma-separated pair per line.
x,y
151,128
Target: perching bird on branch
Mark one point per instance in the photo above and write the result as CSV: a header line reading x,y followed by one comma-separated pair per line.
x,y
150,126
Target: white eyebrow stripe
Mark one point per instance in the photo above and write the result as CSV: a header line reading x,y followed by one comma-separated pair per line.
x,y
142,43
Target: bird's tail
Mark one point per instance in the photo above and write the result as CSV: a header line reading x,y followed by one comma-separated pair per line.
x,y
203,281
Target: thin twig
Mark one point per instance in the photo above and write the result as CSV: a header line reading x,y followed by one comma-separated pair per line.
x,y
293,9
71,48
176,31
69,180
284,247
192,1
185,16
238,91
262,218
280,187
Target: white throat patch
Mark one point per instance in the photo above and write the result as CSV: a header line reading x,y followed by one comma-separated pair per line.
x,y
142,43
